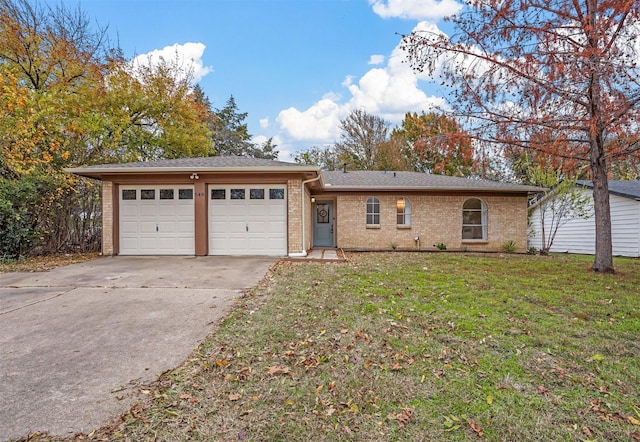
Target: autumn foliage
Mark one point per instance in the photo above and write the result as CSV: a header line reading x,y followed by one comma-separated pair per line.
x,y
560,79
68,98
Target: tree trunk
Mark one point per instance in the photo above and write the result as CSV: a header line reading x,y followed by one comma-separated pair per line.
x,y
603,261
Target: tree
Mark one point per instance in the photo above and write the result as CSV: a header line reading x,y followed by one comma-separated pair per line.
x,y
150,111
362,135
323,156
230,132
560,78
231,135
267,150
436,144
67,98
562,203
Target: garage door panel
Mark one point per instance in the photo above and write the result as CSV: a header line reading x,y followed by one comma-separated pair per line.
x,y
229,219
257,211
235,209
156,226
184,228
276,228
147,227
128,211
257,228
277,210
128,227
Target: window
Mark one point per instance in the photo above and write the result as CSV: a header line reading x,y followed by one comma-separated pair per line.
x,y
128,194
256,194
276,194
474,219
373,211
237,194
185,194
166,194
403,208
218,194
148,194
322,213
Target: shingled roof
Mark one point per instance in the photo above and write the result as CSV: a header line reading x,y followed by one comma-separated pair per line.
x,y
203,164
331,180
626,189
381,180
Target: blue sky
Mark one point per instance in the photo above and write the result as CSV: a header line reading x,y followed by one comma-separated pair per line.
x,y
296,66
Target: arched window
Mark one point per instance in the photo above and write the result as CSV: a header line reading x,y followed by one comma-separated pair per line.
x,y
403,211
474,219
373,211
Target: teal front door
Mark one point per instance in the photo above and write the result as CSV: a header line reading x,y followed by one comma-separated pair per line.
x,y
323,220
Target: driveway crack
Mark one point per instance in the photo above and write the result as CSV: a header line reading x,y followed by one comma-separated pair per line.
x,y
38,301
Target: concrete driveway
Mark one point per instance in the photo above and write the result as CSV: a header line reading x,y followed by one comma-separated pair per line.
x,y
76,341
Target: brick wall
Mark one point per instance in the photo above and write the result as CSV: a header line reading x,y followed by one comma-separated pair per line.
x,y
294,216
434,219
107,218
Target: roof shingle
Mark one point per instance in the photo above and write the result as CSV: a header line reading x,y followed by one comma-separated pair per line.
x,y
339,180
624,188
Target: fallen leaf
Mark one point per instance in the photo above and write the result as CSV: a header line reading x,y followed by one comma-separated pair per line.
x,y
279,370
344,330
476,428
403,418
633,420
587,431
543,390
489,399
235,397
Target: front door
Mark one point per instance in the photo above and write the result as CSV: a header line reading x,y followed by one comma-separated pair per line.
x,y
323,220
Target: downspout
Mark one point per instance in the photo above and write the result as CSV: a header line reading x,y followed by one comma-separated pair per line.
x,y
303,249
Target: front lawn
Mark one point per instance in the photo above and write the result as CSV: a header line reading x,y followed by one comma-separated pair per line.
x,y
412,347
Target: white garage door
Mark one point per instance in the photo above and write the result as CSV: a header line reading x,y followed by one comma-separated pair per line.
x,y
247,220
157,220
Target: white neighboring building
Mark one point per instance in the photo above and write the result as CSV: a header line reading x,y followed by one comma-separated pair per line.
x,y
578,235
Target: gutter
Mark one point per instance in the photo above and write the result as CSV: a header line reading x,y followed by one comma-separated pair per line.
x,y
99,171
356,188
303,249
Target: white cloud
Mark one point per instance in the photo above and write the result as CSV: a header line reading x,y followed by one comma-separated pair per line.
x,y
415,9
376,59
264,123
318,123
188,56
388,91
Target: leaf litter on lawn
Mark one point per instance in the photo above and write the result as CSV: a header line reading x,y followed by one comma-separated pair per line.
x,y
411,346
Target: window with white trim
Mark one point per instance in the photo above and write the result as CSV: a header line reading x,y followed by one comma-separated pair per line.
x,y
474,219
403,211
373,211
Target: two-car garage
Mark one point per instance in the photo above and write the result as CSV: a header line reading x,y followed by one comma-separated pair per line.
x,y
242,220
214,205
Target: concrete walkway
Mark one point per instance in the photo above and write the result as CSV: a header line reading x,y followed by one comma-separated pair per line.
x,y
319,255
77,341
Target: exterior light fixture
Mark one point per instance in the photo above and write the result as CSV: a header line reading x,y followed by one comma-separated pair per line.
x,y
194,176
313,199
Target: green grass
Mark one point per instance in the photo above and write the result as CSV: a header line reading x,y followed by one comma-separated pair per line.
x,y
412,347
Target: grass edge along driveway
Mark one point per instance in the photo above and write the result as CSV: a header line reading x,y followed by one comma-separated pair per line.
x,y
411,346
